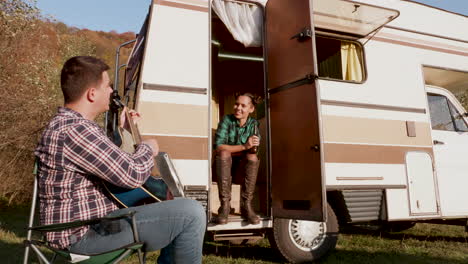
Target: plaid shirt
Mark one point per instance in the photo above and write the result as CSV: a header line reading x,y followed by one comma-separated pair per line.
x,y
229,131
75,156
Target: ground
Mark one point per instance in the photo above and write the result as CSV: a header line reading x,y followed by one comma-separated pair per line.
x,y
424,243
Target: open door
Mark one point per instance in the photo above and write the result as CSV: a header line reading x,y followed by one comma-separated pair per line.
x,y
296,171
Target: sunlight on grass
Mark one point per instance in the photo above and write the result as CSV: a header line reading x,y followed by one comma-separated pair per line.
x,y
424,243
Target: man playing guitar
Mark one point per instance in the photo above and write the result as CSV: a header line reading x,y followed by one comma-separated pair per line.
x,y
75,156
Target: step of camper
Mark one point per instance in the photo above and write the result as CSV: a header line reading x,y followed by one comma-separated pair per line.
x,y
235,222
248,235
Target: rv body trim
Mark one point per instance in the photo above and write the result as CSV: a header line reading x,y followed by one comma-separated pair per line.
x,y
420,46
369,154
379,178
426,34
172,88
368,131
364,187
374,106
186,148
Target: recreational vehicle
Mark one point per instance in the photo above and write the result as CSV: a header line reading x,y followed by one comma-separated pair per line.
x,y
360,121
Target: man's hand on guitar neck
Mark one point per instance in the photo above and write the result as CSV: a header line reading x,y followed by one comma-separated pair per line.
x,y
123,118
135,116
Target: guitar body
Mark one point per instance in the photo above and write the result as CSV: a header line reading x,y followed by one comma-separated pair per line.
x,y
153,190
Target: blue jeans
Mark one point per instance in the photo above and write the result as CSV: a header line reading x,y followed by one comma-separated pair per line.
x,y
176,226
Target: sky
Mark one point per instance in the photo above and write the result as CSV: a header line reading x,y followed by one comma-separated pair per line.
x,y
129,15
103,15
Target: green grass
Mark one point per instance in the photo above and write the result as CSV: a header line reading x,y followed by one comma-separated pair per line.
x,y
424,243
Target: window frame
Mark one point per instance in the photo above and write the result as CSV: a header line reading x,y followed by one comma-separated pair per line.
x,y
321,34
451,99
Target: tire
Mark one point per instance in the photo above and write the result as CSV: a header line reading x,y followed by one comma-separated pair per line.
x,y
303,241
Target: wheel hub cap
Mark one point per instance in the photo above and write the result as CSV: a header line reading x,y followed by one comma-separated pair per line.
x,y
307,235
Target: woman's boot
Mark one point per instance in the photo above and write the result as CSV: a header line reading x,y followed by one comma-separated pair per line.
x,y
223,172
251,171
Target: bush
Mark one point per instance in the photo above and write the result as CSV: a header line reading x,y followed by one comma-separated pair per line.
x,y
32,52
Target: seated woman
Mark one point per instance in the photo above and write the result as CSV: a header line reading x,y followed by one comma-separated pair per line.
x,y
236,136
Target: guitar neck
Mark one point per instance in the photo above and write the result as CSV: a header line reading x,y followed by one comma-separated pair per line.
x,y
133,129
137,140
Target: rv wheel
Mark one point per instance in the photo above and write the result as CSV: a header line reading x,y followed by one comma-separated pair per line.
x,y
302,241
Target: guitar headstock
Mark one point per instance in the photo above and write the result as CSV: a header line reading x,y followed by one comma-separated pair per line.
x,y
118,103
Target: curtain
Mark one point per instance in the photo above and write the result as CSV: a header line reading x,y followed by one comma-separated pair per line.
x,y
351,63
244,21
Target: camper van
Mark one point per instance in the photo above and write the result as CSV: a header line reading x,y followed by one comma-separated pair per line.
x,y
361,120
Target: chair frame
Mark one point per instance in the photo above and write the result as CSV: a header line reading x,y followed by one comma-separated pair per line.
x,y
29,243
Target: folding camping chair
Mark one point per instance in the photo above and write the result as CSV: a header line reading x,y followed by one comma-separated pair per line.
x,y
113,256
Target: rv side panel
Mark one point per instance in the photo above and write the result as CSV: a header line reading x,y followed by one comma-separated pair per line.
x,y
174,86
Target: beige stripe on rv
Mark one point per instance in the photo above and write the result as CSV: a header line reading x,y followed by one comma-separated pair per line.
x,y
374,131
186,148
347,153
173,119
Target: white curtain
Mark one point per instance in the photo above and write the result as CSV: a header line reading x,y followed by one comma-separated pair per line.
x,y
243,20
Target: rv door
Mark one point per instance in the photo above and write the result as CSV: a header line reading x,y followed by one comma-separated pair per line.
x,y
294,115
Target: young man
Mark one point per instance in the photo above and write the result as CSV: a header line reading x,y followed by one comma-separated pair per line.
x,y
75,157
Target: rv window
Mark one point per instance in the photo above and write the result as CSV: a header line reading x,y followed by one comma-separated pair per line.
x,y
444,115
340,59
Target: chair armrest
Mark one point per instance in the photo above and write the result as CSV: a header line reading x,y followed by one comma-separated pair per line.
x,y
64,226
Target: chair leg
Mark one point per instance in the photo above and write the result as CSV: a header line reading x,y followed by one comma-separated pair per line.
x,y
31,221
54,257
140,256
26,255
136,236
124,255
40,256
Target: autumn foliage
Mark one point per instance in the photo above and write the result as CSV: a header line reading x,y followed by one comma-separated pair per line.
x,y
32,52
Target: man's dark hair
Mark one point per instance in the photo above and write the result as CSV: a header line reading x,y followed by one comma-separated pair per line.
x,y
78,74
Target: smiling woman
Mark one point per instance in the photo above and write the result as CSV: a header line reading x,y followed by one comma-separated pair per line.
x,y
237,138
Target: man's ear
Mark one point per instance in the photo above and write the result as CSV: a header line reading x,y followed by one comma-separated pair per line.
x,y
91,94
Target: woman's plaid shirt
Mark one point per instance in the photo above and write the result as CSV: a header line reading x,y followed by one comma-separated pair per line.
x,y
75,156
230,132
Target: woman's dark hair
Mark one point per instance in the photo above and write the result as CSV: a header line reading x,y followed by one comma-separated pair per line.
x,y
254,99
78,73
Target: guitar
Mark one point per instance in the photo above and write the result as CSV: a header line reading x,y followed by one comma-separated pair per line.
x,y
155,188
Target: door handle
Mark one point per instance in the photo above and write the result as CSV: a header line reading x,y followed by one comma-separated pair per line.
x,y
437,142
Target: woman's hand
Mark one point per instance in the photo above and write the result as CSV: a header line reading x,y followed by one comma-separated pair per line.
x,y
252,142
134,115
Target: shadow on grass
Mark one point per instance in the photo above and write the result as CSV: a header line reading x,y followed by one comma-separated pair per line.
x,y
367,257
354,230
13,223
258,253
14,219
251,252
